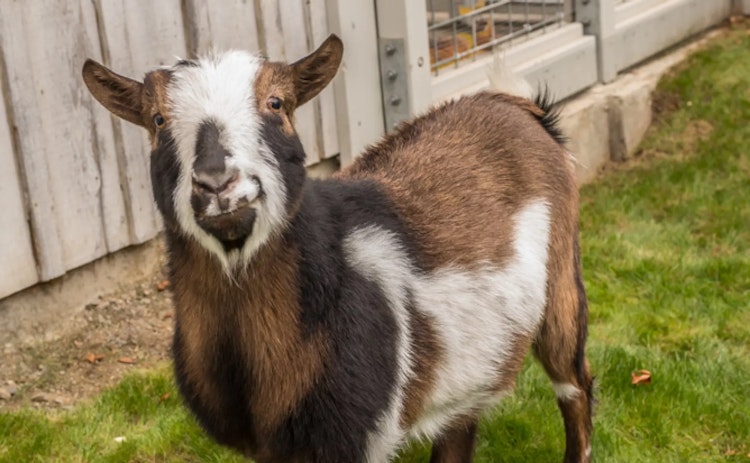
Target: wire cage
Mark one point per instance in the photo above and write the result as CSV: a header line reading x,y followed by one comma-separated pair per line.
x,y
461,30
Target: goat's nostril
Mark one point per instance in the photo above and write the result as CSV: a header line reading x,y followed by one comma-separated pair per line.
x,y
214,183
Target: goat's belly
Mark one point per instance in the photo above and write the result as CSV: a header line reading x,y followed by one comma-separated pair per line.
x,y
485,320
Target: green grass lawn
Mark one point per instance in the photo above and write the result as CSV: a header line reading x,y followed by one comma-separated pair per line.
x,y
665,249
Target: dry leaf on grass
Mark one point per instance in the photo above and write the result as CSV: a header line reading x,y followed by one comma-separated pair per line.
x,y
93,358
164,396
126,360
640,377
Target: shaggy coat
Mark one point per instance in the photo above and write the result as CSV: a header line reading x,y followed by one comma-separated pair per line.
x,y
332,320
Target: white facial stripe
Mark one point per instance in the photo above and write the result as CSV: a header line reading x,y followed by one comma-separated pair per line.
x,y
221,89
477,314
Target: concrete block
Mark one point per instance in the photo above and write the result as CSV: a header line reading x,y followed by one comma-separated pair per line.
x,y
585,122
630,115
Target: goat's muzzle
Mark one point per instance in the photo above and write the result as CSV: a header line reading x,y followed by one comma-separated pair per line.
x,y
224,207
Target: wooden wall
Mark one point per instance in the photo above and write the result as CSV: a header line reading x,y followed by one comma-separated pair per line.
x,y
74,181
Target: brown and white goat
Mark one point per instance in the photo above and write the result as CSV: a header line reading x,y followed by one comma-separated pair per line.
x,y
330,321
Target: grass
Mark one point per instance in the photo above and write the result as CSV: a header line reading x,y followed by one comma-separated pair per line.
x,y
665,247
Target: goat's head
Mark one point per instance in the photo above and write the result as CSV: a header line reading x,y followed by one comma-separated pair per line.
x,y
226,165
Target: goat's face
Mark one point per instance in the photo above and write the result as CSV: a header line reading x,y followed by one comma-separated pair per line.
x,y
226,165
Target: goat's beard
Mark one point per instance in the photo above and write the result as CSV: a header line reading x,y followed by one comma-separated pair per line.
x,y
231,229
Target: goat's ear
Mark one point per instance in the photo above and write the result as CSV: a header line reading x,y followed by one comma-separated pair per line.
x,y
313,72
120,95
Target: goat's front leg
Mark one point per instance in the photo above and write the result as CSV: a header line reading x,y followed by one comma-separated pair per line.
x,y
456,445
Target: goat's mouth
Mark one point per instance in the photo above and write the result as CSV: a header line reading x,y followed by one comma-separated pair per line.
x,y
230,228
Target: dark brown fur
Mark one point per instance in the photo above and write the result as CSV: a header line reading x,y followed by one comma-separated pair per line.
x,y
284,365
489,183
456,445
427,353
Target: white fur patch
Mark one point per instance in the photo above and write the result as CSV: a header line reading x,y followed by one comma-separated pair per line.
x,y
220,88
477,314
377,256
565,391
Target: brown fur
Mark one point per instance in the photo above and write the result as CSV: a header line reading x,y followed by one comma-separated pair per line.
x,y
486,181
277,79
457,444
427,354
131,100
154,100
476,141
267,312
297,83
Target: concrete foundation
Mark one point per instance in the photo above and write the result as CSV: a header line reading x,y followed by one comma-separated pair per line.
x,y
606,123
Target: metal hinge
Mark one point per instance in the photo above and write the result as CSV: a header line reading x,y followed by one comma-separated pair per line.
x,y
393,82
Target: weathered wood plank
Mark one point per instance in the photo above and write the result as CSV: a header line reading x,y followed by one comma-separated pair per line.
x,y
285,38
359,103
229,25
17,265
294,29
327,105
44,44
138,35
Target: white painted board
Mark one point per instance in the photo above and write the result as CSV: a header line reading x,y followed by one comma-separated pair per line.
x,y
220,26
138,36
17,265
328,129
58,149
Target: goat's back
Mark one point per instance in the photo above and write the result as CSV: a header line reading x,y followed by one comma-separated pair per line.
x,y
458,174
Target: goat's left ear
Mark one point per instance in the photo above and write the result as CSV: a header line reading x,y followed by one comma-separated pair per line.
x,y
313,72
119,94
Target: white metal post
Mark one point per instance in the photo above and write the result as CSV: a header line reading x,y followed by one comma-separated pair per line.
x,y
405,23
598,19
357,88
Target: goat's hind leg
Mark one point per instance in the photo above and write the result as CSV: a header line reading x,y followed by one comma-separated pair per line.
x,y
560,347
456,445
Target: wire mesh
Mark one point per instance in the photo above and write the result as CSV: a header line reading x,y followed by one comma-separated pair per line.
x,y
462,30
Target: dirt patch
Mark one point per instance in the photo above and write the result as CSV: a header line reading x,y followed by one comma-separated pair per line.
x,y
122,332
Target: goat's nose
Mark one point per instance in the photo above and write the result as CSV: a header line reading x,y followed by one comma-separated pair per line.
x,y
213,181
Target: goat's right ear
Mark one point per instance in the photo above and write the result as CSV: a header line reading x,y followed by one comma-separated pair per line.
x,y
120,95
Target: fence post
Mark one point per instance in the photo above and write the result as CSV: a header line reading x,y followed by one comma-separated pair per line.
x,y
357,93
598,19
404,59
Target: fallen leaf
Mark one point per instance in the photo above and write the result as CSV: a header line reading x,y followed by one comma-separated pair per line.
x,y
93,358
126,360
730,452
164,396
640,377
162,285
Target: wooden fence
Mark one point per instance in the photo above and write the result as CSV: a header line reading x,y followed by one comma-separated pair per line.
x,y
74,180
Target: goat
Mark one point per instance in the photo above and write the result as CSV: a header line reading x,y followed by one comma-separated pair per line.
x,y
332,320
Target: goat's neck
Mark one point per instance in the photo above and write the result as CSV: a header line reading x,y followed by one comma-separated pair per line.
x,y
253,323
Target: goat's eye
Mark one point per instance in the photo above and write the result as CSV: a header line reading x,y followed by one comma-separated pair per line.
x,y
274,103
159,121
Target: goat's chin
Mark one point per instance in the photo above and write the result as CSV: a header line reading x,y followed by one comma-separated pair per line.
x,y
231,229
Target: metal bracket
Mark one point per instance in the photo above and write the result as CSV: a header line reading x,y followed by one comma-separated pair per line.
x,y
393,82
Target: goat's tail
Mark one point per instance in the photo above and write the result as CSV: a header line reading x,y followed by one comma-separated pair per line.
x,y
504,80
